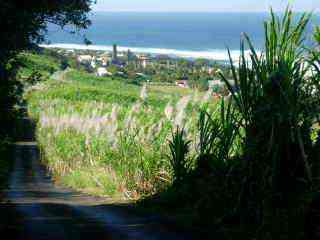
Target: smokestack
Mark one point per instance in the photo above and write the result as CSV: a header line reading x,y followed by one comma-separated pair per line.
x,y
115,53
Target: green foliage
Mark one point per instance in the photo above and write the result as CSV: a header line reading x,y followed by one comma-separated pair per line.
x,y
257,158
87,122
217,132
64,64
179,149
113,69
274,100
208,137
203,84
200,62
42,63
316,35
248,166
271,94
25,24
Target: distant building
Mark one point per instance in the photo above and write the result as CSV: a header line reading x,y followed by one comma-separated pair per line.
x,y
215,83
116,57
114,53
84,58
163,59
141,75
101,71
103,60
121,54
182,83
130,56
118,63
144,60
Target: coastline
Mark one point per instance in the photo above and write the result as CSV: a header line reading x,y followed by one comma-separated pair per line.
x,y
214,54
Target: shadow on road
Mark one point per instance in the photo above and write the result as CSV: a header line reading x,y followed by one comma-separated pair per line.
x,y
35,208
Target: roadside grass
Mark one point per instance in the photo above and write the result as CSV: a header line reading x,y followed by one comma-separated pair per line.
x,y
99,181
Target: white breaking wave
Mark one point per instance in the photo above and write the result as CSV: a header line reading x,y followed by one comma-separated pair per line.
x,y
217,54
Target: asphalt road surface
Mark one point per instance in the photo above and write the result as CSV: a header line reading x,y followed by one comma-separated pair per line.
x,y
33,207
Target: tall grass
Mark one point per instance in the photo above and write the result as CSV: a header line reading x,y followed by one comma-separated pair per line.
x,y
124,138
273,100
272,103
249,163
260,152
179,149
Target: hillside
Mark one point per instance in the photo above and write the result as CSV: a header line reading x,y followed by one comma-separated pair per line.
x,y
106,136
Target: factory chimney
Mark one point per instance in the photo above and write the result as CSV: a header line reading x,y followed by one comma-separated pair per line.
x,y
114,53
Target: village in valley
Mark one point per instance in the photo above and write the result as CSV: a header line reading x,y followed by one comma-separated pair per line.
x,y
139,68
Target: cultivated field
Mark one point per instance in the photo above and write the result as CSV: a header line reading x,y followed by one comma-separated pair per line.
x,y
107,137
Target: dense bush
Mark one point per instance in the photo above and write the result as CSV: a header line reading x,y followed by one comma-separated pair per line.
x,y
264,186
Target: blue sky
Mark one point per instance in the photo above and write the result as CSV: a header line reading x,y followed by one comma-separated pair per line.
x,y
203,5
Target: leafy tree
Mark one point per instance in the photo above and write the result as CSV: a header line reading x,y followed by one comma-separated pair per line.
x,y
64,64
24,24
203,84
316,35
113,69
183,63
200,62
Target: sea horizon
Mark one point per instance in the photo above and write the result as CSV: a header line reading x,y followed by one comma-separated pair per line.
x,y
187,12
210,54
178,34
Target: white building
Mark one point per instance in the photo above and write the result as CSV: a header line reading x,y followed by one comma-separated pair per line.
x,y
141,75
182,83
215,83
103,60
144,60
84,58
101,71
93,63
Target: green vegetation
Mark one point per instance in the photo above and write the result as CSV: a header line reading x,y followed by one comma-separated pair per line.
x,y
257,165
106,136
24,25
43,64
246,166
159,70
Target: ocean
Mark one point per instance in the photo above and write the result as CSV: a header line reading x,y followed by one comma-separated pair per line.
x,y
190,35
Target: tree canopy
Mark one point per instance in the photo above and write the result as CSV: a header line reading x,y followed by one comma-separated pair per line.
x,y
23,24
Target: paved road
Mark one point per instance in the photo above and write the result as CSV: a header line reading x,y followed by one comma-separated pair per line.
x,y
35,208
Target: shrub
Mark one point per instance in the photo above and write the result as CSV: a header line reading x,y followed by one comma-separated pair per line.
x,y
179,149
